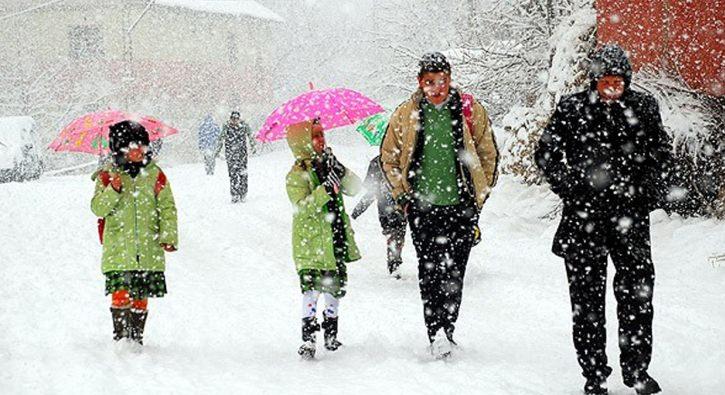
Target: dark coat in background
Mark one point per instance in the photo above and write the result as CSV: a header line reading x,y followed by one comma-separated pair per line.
x,y
391,220
234,138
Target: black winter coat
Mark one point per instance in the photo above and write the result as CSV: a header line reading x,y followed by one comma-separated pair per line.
x,y
605,160
234,139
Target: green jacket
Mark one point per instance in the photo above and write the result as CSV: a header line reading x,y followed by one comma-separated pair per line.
x,y
138,220
312,245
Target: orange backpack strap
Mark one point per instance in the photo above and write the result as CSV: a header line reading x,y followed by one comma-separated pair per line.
x,y
160,183
467,100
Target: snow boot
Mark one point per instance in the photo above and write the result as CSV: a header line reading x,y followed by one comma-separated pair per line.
x,y
120,323
596,386
449,336
394,269
138,322
329,325
440,347
309,337
643,383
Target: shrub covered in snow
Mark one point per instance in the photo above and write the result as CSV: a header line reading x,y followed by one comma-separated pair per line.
x,y
694,121
570,46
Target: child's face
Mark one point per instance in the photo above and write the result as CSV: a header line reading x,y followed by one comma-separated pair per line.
x,y
318,138
436,86
135,152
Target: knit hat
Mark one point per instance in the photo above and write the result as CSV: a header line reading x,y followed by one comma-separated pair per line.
x,y
122,134
434,62
610,60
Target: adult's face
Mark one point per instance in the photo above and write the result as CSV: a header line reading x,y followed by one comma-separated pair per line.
x,y
610,87
436,86
234,120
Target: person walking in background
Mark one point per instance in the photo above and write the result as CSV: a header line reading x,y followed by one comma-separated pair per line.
x,y
322,237
606,154
392,221
209,133
234,136
138,224
440,158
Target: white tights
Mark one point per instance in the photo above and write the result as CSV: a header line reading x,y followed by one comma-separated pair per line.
x,y
309,304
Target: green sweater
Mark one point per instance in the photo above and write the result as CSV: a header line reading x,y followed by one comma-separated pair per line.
x,y
437,180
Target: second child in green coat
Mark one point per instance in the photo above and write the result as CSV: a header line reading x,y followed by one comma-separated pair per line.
x,y
322,238
137,226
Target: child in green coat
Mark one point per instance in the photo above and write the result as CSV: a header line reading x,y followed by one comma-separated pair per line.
x,y
322,238
137,225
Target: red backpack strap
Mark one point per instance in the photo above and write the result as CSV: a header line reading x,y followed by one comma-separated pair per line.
x,y
160,183
467,100
105,178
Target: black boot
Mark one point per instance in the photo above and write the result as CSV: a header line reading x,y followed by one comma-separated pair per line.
x,y
138,322
120,323
596,386
330,327
449,334
394,268
309,337
643,383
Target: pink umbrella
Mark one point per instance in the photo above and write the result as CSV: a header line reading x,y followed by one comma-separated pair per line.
x,y
89,133
334,107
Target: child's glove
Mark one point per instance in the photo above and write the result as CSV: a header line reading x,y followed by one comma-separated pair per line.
x,y
116,182
332,184
403,203
333,165
168,247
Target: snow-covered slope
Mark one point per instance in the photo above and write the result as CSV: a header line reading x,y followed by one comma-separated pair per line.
x,y
231,321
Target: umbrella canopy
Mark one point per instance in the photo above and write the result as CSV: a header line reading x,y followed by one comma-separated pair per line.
x,y
333,107
373,128
89,133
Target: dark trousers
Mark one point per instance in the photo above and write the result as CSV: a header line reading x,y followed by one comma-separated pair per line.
x,y
209,162
396,240
443,237
586,269
237,178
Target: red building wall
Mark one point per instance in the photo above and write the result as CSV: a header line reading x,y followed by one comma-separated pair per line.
x,y
686,37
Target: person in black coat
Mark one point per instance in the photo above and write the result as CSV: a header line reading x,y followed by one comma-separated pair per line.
x,y
392,221
234,137
607,155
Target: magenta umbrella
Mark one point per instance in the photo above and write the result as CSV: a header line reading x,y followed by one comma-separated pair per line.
x,y
89,133
333,107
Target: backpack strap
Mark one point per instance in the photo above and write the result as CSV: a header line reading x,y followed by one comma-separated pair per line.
x,y
467,100
160,183
105,177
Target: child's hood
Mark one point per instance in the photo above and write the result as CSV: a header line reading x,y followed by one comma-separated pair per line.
x,y
299,139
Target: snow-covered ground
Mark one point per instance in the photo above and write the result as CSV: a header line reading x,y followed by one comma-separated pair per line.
x,y
230,323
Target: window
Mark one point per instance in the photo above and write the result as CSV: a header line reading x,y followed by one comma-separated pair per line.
x,y
86,41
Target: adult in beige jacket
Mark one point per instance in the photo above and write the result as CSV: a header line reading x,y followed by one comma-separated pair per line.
x,y
440,158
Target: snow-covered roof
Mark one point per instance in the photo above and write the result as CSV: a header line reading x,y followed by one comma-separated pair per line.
x,y
230,7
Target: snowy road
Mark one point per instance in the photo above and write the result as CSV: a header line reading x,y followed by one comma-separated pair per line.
x,y
231,321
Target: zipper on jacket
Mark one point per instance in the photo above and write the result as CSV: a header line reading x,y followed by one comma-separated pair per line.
x,y
135,219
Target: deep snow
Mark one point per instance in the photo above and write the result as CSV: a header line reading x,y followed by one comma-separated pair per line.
x,y
231,321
